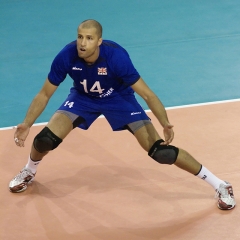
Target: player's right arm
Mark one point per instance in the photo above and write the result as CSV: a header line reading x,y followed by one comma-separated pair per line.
x,y
39,103
37,106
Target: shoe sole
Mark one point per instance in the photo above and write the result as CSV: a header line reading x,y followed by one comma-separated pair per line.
x,y
226,208
22,189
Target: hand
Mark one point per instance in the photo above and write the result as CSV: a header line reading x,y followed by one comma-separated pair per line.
x,y
168,134
21,134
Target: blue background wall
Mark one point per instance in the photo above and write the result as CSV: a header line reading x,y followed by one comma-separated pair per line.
x,y
187,51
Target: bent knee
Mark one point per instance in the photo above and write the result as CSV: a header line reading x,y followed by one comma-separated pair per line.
x,y
164,154
46,140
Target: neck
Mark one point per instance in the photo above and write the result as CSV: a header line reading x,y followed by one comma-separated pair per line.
x,y
93,58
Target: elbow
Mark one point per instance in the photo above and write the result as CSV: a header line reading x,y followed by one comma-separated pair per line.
x,y
149,97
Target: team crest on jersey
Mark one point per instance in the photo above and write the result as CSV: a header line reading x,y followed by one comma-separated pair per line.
x,y
102,71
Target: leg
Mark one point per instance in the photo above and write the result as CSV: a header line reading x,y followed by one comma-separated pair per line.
x,y
186,162
147,136
61,126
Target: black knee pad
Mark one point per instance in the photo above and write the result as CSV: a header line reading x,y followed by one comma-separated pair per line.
x,y
165,154
46,140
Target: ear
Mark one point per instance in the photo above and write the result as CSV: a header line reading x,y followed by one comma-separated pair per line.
x,y
100,41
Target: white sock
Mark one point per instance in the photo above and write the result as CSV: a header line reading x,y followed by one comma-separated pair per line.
x,y
210,178
32,165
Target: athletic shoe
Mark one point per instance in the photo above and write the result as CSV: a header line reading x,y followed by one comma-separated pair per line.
x,y
20,182
225,196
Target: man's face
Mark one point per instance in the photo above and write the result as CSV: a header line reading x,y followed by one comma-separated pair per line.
x,y
88,43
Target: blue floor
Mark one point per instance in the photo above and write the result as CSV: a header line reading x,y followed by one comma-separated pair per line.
x,y
187,51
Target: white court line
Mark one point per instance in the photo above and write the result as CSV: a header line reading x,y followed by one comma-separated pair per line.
x,y
167,108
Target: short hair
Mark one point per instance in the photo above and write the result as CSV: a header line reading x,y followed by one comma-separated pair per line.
x,y
89,23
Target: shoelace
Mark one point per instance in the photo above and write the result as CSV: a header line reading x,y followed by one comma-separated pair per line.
x,y
224,192
24,173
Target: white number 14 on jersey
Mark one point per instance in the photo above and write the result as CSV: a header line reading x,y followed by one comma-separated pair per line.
x,y
95,88
69,104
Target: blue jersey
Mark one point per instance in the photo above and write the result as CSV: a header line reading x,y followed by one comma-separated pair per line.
x,y
112,74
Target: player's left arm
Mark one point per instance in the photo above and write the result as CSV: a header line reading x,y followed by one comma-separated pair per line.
x,y
156,106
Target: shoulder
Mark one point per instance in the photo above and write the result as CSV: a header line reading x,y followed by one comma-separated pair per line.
x,y
113,52
69,49
111,47
111,44
67,54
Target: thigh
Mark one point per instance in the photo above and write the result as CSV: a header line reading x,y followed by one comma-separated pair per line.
x,y
60,125
147,136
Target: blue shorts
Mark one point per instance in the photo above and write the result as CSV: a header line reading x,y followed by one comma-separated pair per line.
x,y
118,110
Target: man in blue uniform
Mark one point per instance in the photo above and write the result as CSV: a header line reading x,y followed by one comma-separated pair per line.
x,y
104,82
